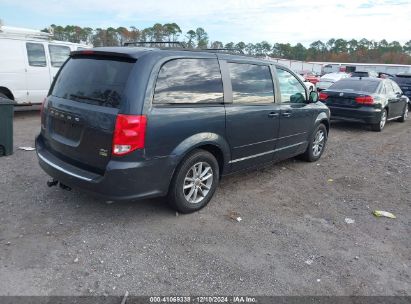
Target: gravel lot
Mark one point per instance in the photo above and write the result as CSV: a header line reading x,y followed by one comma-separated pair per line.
x,y
293,239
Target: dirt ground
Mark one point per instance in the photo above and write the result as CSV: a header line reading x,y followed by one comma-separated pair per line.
x,y
293,238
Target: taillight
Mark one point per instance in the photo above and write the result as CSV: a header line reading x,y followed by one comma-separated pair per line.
x,y
42,113
129,133
323,96
364,99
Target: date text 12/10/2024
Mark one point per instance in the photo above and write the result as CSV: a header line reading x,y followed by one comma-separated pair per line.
x,y
203,299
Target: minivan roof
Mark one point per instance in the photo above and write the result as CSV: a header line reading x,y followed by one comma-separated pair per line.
x,y
137,52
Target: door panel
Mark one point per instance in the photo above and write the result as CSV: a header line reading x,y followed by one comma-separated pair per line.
x,y
296,115
251,132
252,117
395,106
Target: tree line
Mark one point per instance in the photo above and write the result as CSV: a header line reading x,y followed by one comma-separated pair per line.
x,y
339,50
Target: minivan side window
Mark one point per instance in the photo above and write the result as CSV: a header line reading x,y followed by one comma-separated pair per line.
x,y
58,54
291,89
182,81
251,83
36,54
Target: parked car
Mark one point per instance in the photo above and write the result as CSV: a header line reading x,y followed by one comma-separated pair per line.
x,y
28,63
132,123
328,79
310,86
364,74
310,76
404,82
372,101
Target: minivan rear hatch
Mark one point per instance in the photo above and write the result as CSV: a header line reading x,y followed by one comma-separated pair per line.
x,y
82,107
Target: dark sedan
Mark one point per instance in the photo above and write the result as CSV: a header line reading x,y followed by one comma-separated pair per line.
x,y
372,101
404,82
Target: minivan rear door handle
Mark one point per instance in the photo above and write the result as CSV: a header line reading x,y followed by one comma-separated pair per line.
x,y
273,114
286,114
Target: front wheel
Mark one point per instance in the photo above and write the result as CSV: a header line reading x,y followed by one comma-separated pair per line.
x,y
317,144
383,120
194,182
404,116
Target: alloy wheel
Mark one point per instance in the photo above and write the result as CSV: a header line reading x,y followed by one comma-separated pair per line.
x,y
383,119
318,143
197,182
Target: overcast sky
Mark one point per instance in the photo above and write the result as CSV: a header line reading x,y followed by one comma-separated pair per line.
x,y
227,20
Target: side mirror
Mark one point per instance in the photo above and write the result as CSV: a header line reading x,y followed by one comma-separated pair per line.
x,y
313,97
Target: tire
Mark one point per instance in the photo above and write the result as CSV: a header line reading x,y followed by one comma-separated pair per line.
x,y
404,116
2,95
316,147
186,199
383,121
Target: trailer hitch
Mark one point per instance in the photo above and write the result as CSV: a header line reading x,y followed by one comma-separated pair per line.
x,y
52,182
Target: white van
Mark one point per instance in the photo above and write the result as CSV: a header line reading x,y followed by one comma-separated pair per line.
x,y
29,60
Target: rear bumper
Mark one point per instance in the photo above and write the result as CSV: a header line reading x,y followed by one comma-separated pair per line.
x,y
121,180
366,115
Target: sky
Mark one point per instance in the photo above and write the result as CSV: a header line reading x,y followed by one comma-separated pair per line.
x,y
285,21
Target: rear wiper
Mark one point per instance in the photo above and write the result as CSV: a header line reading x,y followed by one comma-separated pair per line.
x,y
89,98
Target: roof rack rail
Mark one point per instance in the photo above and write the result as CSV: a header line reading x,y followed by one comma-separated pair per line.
x,y
167,44
225,50
10,31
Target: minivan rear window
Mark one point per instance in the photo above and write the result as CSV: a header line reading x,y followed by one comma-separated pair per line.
x,y
355,85
93,80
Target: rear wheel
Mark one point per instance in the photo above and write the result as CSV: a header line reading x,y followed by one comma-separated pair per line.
x,y
383,120
317,144
194,182
404,114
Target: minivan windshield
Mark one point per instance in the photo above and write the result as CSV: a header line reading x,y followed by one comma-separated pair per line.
x,y
94,80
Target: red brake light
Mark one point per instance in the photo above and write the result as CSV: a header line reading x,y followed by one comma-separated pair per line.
x,y
87,52
129,133
323,96
364,99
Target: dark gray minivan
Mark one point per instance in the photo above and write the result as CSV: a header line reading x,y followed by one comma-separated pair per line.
x,y
131,123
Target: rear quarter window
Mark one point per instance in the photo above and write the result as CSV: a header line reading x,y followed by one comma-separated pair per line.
x,y
189,81
93,80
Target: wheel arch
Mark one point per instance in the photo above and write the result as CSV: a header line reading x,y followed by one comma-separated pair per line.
x,y
210,142
324,119
7,92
